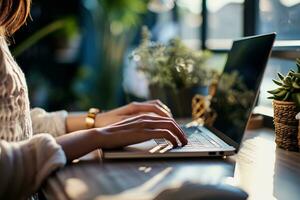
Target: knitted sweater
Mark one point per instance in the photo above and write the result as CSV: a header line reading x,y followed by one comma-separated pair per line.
x,y
25,161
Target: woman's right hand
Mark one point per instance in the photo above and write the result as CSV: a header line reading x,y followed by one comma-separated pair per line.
x,y
130,131
139,129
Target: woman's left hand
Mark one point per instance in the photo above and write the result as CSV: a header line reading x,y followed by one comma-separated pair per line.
x,y
131,110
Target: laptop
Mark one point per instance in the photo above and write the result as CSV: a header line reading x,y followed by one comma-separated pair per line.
x,y
231,108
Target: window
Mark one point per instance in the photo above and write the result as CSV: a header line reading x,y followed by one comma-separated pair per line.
x,y
222,24
281,16
190,21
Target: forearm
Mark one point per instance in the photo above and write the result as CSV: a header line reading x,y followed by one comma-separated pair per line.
x,y
79,143
75,122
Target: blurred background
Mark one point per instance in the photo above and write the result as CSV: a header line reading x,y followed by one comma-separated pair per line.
x,y
75,54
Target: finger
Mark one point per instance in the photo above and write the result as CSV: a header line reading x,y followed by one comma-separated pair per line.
x,y
123,138
168,125
153,117
143,124
106,120
162,133
148,107
148,134
134,118
159,103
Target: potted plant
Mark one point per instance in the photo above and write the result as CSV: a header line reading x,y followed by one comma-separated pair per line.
x,y
175,72
286,104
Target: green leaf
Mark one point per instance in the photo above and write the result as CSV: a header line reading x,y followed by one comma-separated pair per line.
x,y
288,81
296,99
290,73
61,24
271,97
275,91
297,75
277,82
286,96
296,85
282,94
280,76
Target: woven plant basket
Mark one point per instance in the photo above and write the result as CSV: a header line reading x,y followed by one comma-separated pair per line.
x,y
286,125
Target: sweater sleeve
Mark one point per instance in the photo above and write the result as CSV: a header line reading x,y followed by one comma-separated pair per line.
x,y
52,122
25,165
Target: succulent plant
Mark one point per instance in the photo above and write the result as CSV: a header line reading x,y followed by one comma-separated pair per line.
x,y
289,86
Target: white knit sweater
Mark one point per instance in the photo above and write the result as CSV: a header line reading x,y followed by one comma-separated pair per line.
x,y
24,165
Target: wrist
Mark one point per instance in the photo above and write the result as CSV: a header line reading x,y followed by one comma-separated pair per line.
x,y
102,137
98,120
95,136
90,120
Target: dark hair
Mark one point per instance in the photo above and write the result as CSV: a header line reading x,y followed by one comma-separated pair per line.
x,y
13,14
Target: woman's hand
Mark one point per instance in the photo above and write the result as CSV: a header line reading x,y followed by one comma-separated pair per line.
x,y
75,122
130,131
131,110
139,129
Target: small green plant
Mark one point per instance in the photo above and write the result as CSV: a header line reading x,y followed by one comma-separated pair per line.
x,y
289,86
172,65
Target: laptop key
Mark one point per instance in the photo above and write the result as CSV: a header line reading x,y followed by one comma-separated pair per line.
x,y
160,141
157,148
167,148
196,139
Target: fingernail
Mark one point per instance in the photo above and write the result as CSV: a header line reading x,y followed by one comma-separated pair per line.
x,y
169,147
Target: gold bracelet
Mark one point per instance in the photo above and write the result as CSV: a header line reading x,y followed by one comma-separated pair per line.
x,y
91,117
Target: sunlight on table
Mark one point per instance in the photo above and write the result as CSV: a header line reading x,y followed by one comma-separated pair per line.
x,y
258,167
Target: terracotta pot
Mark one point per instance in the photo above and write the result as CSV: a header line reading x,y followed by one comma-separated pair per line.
x,y
179,101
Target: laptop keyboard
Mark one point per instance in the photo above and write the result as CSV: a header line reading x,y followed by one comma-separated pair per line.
x,y
196,139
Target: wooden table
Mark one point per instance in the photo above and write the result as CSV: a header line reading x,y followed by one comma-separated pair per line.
x,y
262,170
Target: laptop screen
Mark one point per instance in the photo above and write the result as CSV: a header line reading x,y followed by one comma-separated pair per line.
x,y
239,85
